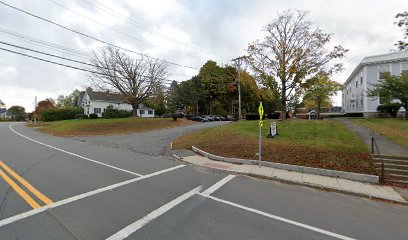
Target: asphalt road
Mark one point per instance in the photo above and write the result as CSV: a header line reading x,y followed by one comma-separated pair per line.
x,y
129,187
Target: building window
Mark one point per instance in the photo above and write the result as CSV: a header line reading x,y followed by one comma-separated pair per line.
x,y
97,110
142,112
150,112
356,84
383,70
361,79
361,101
404,67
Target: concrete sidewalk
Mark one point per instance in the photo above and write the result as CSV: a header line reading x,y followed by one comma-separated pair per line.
x,y
386,146
311,180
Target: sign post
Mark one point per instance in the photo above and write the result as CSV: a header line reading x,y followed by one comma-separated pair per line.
x,y
261,112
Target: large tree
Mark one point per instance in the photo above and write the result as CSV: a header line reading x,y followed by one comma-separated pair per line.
x,y
214,82
136,79
17,113
319,90
70,100
293,50
391,88
402,22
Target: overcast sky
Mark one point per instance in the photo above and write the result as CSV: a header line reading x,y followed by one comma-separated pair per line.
x,y
185,32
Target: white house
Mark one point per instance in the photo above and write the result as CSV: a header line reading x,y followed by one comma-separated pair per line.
x,y
3,113
97,102
369,72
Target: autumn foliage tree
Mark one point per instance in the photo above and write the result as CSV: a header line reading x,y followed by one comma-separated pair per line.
x,y
43,106
402,22
292,51
319,90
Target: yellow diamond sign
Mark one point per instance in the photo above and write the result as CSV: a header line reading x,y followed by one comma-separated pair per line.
x,y
261,111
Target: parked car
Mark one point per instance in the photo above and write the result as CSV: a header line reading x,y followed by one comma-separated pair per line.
x,y
196,118
217,118
204,118
229,118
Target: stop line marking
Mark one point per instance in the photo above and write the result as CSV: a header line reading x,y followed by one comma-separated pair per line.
x,y
81,196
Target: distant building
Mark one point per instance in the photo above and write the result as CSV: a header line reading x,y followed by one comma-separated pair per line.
x,y
369,72
3,113
97,102
304,113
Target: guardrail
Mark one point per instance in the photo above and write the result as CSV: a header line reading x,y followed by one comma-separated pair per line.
x,y
374,147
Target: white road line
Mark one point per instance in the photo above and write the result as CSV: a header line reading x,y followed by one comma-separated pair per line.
x,y
81,196
219,184
315,229
73,154
127,231
132,228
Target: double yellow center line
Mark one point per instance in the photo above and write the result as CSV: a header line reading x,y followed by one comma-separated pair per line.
x,y
24,183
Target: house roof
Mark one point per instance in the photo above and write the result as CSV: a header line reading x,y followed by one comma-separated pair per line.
x,y
105,96
383,58
143,107
81,97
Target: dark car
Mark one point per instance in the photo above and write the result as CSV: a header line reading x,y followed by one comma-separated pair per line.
x,y
217,118
205,118
197,118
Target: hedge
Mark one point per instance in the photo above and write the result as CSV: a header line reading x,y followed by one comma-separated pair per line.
x,y
57,114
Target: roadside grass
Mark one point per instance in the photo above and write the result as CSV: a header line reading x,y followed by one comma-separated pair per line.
x,y
322,144
91,127
395,129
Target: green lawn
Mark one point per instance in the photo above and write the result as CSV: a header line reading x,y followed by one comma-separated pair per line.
x,y
395,129
324,144
85,127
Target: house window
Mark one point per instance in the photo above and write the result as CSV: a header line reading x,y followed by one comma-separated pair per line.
x,y
356,84
404,67
142,112
361,78
97,110
383,70
150,112
361,101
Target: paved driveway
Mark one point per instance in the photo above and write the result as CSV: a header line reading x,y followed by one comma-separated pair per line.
x,y
128,187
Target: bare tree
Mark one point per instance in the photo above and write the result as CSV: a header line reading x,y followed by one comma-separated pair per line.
x,y
136,79
292,51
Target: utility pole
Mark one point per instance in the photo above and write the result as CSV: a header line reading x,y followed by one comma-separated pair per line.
x,y
35,106
238,62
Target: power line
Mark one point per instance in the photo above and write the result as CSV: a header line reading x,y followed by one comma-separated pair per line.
x,y
140,25
118,32
44,44
66,65
91,37
47,54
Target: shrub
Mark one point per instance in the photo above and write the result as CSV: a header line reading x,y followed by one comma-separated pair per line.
x,y
274,115
391,108
252,116
177,115
81,116
353,115
56,114
110,112
124,114
93,116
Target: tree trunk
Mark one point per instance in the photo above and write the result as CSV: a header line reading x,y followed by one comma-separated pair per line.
x,y
283,101
135,106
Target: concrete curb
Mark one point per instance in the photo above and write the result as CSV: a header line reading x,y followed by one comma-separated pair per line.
x,y
317,171
304,184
